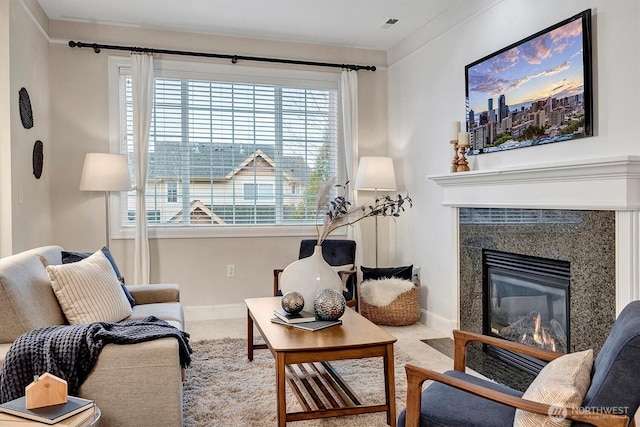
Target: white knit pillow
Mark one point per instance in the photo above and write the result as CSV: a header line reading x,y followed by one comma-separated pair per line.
x,y
89,291
563,383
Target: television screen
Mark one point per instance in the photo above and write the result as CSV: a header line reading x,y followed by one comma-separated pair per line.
x,y
536,91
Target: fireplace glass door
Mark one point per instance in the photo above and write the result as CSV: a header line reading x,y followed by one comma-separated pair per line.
x,y
527,301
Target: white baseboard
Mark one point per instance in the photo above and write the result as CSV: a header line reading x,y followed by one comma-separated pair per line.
x,y
437,322
236,311
214,312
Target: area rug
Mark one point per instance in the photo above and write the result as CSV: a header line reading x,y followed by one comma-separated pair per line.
x,y
222,388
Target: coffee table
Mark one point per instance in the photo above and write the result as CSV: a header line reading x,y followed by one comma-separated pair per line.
x,y
302,360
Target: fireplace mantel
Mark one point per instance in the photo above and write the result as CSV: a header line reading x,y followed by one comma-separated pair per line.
x,y
607,183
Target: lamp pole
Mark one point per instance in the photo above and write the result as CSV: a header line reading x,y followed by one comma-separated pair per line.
x,y
375,240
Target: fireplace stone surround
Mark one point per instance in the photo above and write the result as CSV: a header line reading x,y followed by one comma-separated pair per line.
x,y
606,189
584,238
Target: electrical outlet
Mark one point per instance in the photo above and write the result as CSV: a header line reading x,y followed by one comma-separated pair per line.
x,y
231,270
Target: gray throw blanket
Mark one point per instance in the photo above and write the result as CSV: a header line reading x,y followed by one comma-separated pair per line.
x,y
70,351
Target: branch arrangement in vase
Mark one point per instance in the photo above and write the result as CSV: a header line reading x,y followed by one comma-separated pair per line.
x,y
339,213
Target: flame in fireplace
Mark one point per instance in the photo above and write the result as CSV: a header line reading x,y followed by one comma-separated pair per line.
x,y
540,335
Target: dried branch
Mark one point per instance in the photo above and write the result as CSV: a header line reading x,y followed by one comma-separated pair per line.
x,y
340,213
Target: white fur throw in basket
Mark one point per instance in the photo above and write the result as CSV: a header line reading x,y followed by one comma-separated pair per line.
x,y
392,301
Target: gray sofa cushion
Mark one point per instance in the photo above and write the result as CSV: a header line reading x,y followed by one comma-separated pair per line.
x,y
450,407
49,255
172,312
27,300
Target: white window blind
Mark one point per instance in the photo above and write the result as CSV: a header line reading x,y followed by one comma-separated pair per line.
x,y
229,153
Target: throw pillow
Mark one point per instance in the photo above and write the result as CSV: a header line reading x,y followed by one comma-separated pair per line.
x,y
89,291
369,273
564,383
69,257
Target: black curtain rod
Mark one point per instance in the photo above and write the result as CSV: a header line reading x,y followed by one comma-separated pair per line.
x,y
234,58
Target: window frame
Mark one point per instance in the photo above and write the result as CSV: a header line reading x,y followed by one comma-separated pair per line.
x,y
239,73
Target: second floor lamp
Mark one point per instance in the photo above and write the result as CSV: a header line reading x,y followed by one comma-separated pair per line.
x,y
105,172
377,174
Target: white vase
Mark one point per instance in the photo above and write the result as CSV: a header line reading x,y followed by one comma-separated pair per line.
x,y
309,276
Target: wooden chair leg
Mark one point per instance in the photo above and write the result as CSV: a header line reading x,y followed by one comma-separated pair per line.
x,y
276,281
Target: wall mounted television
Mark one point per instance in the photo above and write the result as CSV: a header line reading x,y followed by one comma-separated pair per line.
x,y
536,91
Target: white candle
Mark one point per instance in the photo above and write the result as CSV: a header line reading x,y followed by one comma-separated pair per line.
x,y
463,139
455,130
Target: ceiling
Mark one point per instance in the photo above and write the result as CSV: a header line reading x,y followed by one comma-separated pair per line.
x,y
348,23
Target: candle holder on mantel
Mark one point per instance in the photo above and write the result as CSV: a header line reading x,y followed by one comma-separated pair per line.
x,y
454,162
463,166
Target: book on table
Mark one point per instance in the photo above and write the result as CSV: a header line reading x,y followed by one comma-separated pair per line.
x,y
81,419
47,414
302,317
316,325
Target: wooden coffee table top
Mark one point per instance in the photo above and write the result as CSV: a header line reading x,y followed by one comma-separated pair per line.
x,y
355,331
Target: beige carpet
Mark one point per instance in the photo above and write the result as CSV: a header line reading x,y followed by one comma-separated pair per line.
x,y
223,388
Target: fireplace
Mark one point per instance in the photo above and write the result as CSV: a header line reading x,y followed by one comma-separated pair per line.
x,y
526,300
585,239
600,241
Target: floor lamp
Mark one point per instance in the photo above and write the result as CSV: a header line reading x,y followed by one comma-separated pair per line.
x,y
377,174
105,172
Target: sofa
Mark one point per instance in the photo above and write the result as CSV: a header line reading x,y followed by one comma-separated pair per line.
x,y
133,385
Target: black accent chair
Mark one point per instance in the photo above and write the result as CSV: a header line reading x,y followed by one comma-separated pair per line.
x,y
336,252
458,399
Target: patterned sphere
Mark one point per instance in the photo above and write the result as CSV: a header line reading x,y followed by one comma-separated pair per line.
x,y
329,304
292,302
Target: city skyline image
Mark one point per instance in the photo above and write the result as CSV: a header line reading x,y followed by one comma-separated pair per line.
x,y
531,93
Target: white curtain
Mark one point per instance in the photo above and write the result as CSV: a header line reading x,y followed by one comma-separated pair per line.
x,y
349,97
142,95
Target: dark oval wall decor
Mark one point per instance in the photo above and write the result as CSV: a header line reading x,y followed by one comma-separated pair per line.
x,y
26,114
38,158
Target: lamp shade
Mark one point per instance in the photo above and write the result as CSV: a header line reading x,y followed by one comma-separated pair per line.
x,y
105,172
376,173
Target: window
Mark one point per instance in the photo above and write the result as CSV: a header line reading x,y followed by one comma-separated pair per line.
x,y
258,192
227,150
172,191
152,216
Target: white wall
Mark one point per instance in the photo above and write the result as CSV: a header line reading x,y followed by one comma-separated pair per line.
x,y
421,93
5,133
426,93
80,124
27,223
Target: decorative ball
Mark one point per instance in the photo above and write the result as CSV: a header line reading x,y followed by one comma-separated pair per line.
x,y
329,304
292,302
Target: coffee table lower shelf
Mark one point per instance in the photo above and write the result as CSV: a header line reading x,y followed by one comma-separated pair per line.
x,y
322,392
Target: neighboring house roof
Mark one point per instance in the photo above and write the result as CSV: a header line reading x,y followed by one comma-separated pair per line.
x,y
219,161
197,209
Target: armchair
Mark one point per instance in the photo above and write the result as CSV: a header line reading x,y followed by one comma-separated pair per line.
x,y
456,398
337,252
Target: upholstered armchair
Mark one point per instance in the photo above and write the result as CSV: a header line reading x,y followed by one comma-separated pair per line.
x,y
459,399
337,252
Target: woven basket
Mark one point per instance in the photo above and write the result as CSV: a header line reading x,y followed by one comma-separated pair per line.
x,y
404,310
